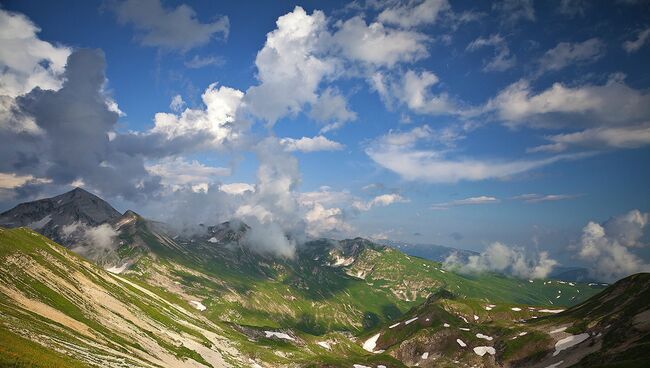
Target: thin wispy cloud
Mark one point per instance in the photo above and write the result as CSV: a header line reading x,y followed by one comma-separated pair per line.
x,y
471,201
538,198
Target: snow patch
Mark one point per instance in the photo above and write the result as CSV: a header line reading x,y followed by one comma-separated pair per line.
x,y
446,324
461,343
475,317
569,342
410,320
516,309
551,310
325,344
561,329
279,335
481,350
212,240
371,343
198,305
485,337
464,329
342,261
118,270
395,325
425,355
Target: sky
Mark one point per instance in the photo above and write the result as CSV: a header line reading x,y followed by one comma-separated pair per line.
x,y
513,127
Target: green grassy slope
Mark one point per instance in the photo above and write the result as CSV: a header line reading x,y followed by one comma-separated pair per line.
x,y
611,329
64,303
144,317
310,295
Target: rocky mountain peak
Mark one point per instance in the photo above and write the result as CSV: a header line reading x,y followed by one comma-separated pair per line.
x,y
49,215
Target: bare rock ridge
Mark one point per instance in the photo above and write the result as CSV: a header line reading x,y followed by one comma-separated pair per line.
x,y
49,215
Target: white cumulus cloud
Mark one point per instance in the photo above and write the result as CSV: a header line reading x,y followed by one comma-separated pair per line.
x,y
606,246
498,257
307,144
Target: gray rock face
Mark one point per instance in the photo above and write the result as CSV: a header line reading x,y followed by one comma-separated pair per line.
x,y
48,216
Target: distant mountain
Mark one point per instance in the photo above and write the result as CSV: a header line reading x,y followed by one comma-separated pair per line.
x,y
574,274
439,253
432,252
50,216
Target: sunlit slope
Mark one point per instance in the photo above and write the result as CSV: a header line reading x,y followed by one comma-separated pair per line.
x,y
63,303
413,278
351,285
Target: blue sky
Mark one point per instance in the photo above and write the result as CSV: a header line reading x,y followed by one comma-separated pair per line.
x,y
448,122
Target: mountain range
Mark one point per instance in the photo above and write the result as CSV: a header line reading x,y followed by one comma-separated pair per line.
x,y
84,285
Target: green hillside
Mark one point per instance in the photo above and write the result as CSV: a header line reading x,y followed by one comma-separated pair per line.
x,y
191,302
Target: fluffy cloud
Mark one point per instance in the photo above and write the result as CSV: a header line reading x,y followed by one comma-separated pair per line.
x,y
274,203
566,53
613,103
177,103
216,121
176,173
380,201
634,45
236,188
464,202
329,222
627,229
408,138
303,54
324,195
172,29
77,112
307,144
291,65
377,45
214,126
414,92
92,242
433,166
501,258
502,59
413,13
413,89
332,109
26,61
606,246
